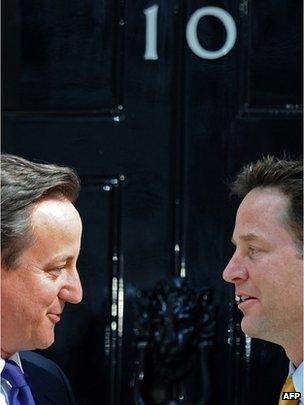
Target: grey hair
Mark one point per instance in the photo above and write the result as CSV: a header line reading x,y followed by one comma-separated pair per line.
x,y
23,183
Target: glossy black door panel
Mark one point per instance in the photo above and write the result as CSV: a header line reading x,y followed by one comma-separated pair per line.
x,y
155,142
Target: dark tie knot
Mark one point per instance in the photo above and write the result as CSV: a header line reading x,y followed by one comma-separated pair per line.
x,y
13,374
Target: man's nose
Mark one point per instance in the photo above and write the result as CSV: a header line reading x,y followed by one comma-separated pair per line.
x,y
235,270
72,290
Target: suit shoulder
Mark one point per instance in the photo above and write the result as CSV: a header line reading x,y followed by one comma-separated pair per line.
x,y
40,361
46,379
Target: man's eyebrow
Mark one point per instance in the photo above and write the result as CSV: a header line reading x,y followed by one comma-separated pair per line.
x,y
59,259
248,237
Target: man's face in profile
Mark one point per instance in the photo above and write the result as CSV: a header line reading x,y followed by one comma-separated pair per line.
x,y
266,267
45,277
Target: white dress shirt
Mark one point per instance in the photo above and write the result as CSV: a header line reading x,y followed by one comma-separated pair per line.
x,y
297,378
5,385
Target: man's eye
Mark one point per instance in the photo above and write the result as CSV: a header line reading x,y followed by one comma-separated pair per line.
x,y
57,270
252,251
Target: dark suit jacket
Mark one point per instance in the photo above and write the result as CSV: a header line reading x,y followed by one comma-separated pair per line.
x,y
48,383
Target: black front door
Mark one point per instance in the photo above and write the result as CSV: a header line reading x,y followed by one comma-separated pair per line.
x,y
157,105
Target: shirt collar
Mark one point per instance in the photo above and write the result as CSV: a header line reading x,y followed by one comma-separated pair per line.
x,y
15,357
297,377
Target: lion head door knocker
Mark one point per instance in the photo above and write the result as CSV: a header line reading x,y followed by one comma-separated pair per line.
x,y
175,330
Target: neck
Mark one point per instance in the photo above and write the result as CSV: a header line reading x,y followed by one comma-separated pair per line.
x,y
296,360
295,352
5,355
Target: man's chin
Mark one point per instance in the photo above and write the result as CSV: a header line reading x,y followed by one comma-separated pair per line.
x,y
258,327
249,327
45,342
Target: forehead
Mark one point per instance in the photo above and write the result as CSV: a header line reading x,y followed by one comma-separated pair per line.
x,y
57,228
263,212
56,232
260,199
54,212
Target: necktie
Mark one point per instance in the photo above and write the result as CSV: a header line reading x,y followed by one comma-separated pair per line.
x,y
288,387
20,393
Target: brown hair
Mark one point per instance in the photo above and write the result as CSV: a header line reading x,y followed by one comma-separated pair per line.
x,y
22,184
282,174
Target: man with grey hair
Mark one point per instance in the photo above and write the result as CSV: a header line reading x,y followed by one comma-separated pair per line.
x,y
267,265
40,239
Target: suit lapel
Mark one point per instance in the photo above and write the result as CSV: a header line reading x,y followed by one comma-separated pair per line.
x,y
40,389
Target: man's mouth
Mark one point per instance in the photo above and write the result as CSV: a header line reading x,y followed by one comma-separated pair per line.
x,y
242,298
54,317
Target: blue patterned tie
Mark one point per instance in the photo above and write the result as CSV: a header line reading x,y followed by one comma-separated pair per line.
x,y
20,393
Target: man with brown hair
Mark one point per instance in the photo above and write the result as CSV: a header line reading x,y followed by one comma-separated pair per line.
x,y
267,266
40,240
